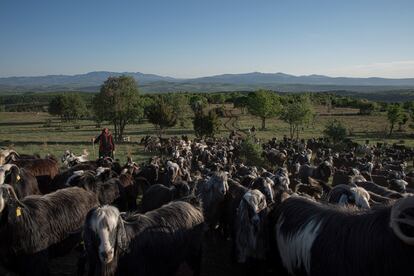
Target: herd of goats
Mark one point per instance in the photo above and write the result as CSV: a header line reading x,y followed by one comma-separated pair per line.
x,y
316,212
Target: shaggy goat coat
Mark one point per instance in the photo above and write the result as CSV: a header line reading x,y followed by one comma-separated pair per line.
x,y
316,239
36,222
154,243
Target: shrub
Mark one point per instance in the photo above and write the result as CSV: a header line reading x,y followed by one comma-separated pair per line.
x,y
251,153
161,115
336,131
206,125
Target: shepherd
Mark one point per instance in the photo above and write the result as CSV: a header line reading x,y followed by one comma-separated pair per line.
x,y
106,144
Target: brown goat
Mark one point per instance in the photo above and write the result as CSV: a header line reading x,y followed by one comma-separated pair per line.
x,y
43,169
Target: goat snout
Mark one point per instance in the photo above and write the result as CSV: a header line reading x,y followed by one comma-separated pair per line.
x,y
107,256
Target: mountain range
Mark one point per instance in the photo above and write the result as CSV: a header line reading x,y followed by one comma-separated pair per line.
x,y
91,82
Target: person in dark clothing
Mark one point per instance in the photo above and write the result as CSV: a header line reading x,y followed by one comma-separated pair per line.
x,y
253,130
106,144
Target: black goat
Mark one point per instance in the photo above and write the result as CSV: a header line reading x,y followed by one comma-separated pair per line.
x,y
158,195
155,243
43,169
316,239
212,192
23,182
30,226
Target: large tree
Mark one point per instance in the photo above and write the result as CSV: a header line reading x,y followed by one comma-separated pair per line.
x,y
395,115
118,102
297,112
69,107
264,104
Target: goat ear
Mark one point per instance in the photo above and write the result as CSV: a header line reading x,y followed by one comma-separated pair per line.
x,y
15,170
121,239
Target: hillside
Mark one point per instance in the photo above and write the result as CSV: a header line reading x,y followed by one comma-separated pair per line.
x,y
150,83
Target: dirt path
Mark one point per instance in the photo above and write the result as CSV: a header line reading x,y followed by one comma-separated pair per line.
x,y
231,123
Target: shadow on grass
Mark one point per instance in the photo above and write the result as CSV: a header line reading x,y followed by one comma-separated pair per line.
x,y
24,143
168,132
20,123
382,135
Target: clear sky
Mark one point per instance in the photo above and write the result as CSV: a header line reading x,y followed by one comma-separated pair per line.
x,y
183,38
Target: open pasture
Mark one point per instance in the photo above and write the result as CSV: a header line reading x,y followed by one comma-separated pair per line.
x,y
37,132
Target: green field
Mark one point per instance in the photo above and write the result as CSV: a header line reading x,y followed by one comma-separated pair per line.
x,y
27,132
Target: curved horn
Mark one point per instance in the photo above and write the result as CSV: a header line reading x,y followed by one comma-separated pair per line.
x,y
13,151
8,167
7,152
396,219
109,158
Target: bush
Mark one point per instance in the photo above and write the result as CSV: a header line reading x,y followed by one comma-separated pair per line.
x,y
336,131
161,115
251,153
206,125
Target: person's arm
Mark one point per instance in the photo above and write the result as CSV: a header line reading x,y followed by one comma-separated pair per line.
x,y
112,143
97,139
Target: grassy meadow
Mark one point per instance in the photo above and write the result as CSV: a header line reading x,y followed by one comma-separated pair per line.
x,y
30,132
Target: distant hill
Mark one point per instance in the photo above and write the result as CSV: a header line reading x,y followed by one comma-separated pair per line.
x,y
90,82
81,80
281,78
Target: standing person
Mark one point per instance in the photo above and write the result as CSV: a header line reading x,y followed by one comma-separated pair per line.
x,y
106,144
253,130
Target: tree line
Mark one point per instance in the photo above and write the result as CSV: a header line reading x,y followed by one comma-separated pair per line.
x,y
120,103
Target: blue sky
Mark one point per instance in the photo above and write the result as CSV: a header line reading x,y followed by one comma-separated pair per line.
x,y
183,38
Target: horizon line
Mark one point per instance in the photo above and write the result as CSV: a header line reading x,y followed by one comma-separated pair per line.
x,y
205,76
